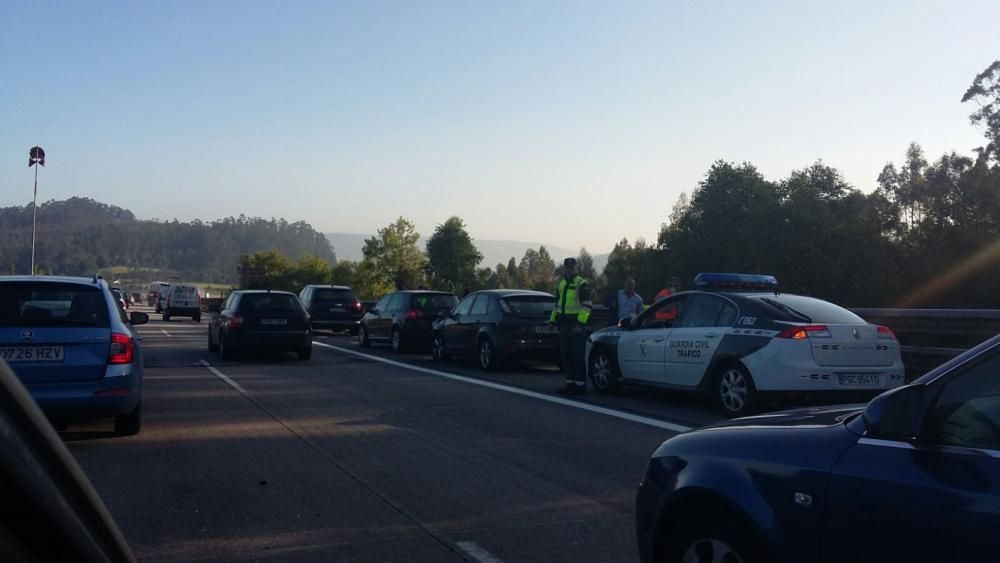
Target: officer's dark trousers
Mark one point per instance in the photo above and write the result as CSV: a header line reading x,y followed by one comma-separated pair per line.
x,y
572,341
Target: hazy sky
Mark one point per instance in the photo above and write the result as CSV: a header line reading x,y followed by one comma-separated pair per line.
x,y
574,123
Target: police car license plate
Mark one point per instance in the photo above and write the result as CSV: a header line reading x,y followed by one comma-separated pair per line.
x,y
274,321
337,309
546,329
32,353
857,379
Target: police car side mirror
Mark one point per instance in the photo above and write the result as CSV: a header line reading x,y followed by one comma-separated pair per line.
x,y
625,323
136,318
895,414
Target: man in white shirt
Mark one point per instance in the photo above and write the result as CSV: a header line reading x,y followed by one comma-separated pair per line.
x,y
628,303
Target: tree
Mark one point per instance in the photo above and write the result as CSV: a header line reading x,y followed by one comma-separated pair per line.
x,y
537,269
985,92
310,270
452,258
392,259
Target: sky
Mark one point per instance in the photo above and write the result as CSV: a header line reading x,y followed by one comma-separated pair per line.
x,y
574,123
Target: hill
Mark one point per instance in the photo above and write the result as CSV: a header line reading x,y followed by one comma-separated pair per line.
x,y
80,236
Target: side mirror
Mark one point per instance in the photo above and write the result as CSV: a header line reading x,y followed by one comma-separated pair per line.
x,y
625,323
137,318
373,311
444,314
895,414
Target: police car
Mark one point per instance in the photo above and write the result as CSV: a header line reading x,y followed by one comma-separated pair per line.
x,y
739,340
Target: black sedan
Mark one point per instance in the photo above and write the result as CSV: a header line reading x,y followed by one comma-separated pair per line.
x,y
404,319
912,476
262,321
496,326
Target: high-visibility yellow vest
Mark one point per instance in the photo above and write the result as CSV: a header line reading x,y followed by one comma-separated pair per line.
x,y
568,300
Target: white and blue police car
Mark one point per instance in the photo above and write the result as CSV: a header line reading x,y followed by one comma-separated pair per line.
x,y
739,340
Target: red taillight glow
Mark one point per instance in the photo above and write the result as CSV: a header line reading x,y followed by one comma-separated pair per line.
x,y
120,351
356,306
806,331
413,314
886,333
236,321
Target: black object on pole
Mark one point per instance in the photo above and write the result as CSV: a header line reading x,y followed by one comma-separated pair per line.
x,y
35,156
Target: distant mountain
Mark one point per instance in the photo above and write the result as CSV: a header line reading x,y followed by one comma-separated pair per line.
x,y
348,247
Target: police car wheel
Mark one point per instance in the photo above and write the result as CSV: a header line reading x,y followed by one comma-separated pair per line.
x,y
363,340
734,390
603,373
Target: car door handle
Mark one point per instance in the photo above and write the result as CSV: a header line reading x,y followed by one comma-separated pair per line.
x,y
712,335
658,340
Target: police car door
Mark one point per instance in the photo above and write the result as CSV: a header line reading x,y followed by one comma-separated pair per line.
x,y
695,338
642,348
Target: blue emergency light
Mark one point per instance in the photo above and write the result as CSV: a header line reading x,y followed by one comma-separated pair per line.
x,y
736,281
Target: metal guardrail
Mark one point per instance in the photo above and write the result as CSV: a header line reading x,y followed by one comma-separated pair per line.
x,y
929,337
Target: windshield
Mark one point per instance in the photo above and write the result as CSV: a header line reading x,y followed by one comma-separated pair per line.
x,y
810,310
51,305
530,305
433,302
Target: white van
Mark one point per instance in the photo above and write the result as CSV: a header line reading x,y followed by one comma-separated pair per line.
x,y
157,291
182,301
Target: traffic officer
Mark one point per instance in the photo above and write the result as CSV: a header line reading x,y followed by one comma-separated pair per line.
x,y
571,314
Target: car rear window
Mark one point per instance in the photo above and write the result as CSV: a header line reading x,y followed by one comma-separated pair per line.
x,y
31,304
433,302
530,305
267,302
327,295
798,308
185,291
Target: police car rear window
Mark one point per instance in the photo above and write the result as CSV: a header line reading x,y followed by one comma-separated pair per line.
x,y
43,304
799,308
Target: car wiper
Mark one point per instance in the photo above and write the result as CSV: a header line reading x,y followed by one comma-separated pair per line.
x,y
787,309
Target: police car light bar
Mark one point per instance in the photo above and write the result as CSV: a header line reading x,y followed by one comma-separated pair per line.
x,y
736,281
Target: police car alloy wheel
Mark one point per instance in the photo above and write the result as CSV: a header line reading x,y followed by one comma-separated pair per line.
x,y
397,341
602,373
735,390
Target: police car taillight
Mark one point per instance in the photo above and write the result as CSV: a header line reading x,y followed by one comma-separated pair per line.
x,y
806,331
121,349
886,333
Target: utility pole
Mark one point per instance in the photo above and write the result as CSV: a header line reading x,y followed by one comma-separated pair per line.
x,y
36,156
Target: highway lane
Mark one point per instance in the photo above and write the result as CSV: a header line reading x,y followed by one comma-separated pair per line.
x,y
344,458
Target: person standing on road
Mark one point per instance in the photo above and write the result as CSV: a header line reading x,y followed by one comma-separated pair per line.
x,y
627,302
571,314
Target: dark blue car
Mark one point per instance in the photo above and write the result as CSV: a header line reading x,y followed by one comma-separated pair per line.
x,y
912,476
72,345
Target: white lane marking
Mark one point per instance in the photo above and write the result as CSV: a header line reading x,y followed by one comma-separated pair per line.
x,y
164,331
477,552
224,377
673,427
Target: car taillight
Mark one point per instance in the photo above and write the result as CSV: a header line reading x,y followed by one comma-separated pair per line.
x,y
886,333
356,307
120,351
413,314
807,331
236,321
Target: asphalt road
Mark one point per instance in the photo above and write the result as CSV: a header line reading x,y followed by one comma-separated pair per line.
x,y
363,455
